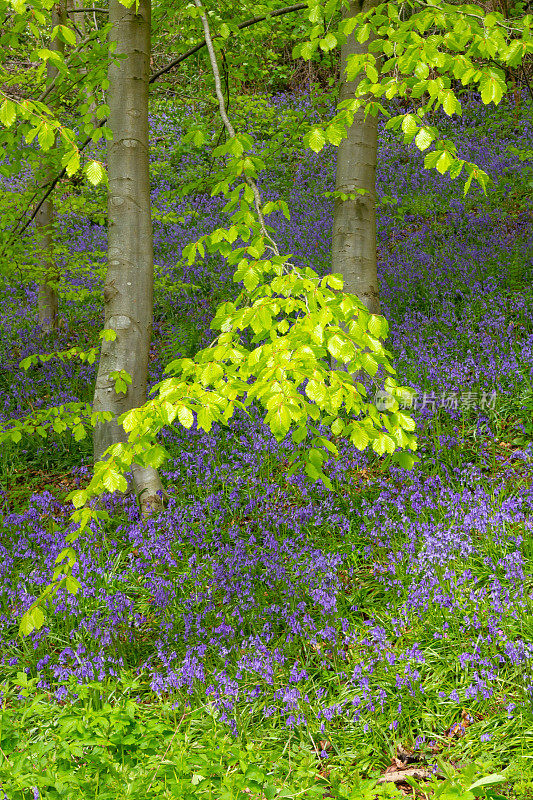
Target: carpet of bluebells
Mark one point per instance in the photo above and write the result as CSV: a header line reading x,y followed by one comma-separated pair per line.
x,y
389,609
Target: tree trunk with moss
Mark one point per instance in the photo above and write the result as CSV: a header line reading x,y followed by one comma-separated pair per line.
x,y
128,291
353,252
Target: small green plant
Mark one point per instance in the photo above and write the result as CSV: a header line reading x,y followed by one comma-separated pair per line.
x,y
468,784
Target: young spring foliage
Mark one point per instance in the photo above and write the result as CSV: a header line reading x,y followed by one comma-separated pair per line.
x,y
419,51
278,339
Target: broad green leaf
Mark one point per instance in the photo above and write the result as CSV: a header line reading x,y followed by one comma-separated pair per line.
x,y
409,125
444,161
251,279
315,391
315,457
204,418
363,33
67,35
423,139
33,619
78,498
315,139
335,346
377,325
305,50
488,780
26,624
336,281
337,427
492,85
46,136
37,617
334,134
114,481
79,432
421,70
280,422
94,172
450,104
71,162
359,437
72,585
406,422
329,42
405,459
185,416
369,364
8,113
299,434
383,444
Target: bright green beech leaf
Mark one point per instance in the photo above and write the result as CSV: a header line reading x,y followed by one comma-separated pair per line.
x,y
94,172
329,42
114,481
185,416
315,140
423,139
359,436
492,86
8,113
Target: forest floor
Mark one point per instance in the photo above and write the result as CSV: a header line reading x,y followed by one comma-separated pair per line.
x,y
263,636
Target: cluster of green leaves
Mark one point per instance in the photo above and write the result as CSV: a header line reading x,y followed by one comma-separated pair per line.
x,y
81,74
448,784
100,745
298,324
71,416
419,55
94,748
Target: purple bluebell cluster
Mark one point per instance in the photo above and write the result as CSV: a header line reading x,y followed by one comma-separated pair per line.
x,y
274,599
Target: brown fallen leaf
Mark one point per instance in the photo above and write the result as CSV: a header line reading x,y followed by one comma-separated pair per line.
x,y
405,757
394,775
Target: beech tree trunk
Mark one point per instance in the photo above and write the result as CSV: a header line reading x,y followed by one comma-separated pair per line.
x,y
47,297
354,221
128,292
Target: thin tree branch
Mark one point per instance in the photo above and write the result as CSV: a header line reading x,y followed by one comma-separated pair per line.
x,y
52,85
241,26
229,127
246,24
50,189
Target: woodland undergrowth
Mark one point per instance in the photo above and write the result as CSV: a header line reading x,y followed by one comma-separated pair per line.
x,y
263,636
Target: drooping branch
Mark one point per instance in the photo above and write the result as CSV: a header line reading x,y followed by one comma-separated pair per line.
x,y
227,123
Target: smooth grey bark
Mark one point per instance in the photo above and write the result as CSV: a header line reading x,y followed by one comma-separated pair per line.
x,y
128,291
353,252
47,297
